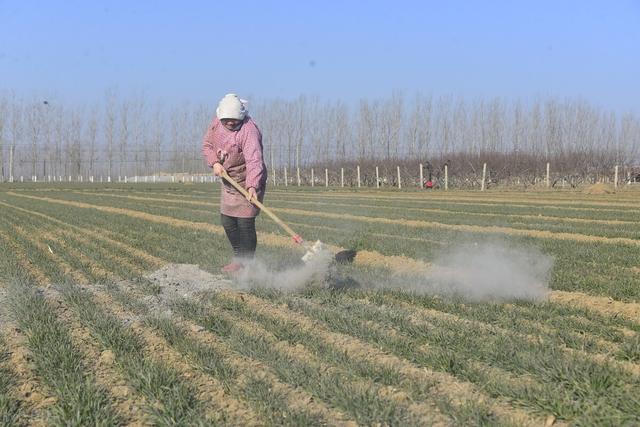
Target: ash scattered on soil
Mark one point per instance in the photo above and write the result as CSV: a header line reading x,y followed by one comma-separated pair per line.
x,y
182,281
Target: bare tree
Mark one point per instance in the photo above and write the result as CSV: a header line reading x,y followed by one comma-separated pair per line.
x,y
391,123
124,137
34,126
92,135
343,134
516,136
109,129
4,116
74,144
137,122
58,123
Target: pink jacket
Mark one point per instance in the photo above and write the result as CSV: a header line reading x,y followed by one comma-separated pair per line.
x,y
240,153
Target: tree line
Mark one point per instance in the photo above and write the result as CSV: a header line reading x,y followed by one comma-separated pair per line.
x,y
132,135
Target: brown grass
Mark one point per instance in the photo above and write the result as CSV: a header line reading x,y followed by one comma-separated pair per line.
x,y
585,238
560,199
540,217
599,189
604,305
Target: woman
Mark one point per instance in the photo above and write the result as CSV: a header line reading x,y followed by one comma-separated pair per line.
x,y
233,143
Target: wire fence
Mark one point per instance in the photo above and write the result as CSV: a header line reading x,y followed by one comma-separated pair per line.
x,y
369,176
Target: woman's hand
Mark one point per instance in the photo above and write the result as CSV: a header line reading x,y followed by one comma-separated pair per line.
x,y
218,170
252,194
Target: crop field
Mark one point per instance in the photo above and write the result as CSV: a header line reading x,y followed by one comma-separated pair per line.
x,y
98,328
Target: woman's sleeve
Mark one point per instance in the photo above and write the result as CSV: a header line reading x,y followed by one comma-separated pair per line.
x,y
209,150
253,157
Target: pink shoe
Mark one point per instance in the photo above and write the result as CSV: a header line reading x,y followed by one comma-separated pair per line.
x,y
232,267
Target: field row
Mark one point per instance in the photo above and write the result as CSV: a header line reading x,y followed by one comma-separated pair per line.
x,y
573,252
267,357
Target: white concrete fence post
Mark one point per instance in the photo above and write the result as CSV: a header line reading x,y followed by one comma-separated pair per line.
x,y
421,177
326,177
358,173
312,178
446,177
274,177
377,178
399,180
547,181
286,179
341,177
298,174
484,176
615,177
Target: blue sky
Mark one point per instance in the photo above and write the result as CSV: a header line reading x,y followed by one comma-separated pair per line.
x,y
199,50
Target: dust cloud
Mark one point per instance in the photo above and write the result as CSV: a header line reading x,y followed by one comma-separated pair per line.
x,y
486,272
497,271
257,274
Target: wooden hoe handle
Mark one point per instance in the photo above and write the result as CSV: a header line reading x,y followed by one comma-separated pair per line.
x,y
245,193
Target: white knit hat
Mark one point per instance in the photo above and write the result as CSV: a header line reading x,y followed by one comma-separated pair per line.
x,y
231,107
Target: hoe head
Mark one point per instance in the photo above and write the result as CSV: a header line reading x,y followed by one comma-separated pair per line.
x,y
320,250
313,251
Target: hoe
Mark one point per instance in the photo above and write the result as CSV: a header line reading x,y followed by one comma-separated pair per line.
x,y
312,249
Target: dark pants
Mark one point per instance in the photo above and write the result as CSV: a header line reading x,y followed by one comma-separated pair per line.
x,y
241,233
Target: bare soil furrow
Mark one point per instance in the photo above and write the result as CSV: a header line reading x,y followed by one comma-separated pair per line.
x,y
379,220
365,258
457,392
209,390
604,305
157,199
136,253
540,217
128,404
484,198
89,264
368,258
491,229
419,314
298,352
34,397
251,368
43,247
22,259
104,252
